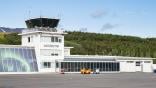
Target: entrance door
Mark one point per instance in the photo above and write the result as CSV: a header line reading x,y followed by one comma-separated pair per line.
x,y
57,66
138,66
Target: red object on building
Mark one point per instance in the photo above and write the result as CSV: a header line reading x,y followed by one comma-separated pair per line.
x,y
62,71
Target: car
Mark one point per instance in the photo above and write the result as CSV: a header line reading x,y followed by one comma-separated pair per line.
x,y
96,71
85,71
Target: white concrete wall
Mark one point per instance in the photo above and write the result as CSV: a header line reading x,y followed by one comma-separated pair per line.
x,y
35,39
66,51
54,47
45,45
128,66
154,67
147,67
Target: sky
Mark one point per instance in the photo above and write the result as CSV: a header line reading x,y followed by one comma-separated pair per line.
x,y
122,17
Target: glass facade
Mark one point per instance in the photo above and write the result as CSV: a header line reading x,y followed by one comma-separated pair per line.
x,y
102,66
18,59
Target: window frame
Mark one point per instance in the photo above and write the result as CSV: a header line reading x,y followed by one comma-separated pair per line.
x,y
28,39
47,64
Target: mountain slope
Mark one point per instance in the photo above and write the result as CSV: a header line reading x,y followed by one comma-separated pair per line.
x,y
108,44
11,30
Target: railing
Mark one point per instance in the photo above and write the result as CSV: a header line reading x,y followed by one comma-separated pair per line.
x,y
42,29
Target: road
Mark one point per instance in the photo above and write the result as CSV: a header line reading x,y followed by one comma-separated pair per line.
x,y
51,80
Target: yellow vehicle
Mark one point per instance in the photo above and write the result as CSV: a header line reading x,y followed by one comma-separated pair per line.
x,y
85,71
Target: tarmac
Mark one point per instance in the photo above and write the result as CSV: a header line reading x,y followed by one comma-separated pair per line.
x,y
51,80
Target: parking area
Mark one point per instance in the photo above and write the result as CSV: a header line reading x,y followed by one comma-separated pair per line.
x,y
107,80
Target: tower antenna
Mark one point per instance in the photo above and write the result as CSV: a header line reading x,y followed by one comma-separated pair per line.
x,y
41,14
41,18
29,13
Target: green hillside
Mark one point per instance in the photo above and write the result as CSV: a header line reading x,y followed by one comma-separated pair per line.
x,y
108,44
100,44
10,38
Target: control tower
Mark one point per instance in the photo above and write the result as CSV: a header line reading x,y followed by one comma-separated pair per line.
x,y
42,33
42,22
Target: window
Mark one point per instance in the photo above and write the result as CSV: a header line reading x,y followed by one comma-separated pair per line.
x,y
56,39
102,66
52,39
138,63
28,39
9,62
60,40
46,64
56,54
57,65
52,54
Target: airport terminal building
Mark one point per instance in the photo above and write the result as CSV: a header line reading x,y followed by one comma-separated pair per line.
x,y
43,50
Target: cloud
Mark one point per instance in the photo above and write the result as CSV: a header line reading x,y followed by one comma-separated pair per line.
x,y
108,26
98,14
